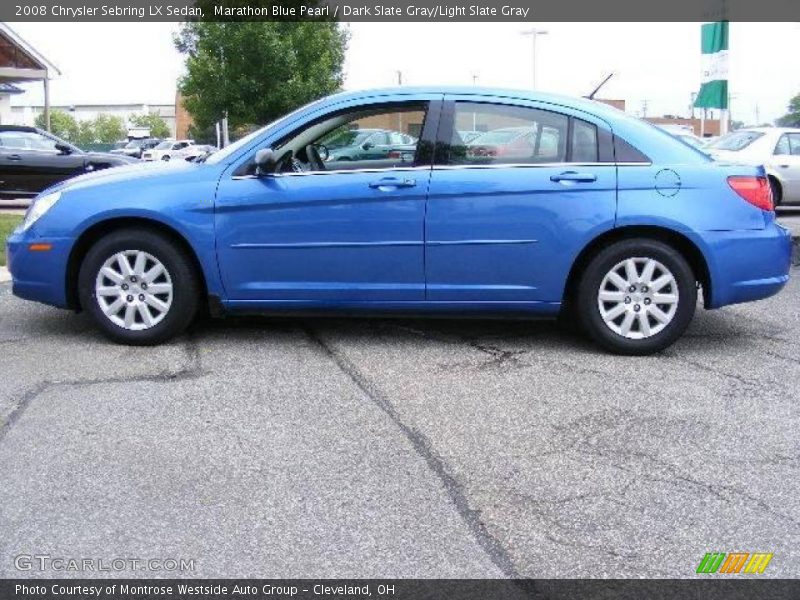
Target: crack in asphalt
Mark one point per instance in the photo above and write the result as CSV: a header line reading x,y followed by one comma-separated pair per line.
x,y
192,369
21,406
587,443
455,490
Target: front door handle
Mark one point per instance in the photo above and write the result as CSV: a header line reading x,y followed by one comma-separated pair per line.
x,y
14,157
389,183
573,177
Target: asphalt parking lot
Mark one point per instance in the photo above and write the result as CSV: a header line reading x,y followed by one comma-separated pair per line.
x,y
401,448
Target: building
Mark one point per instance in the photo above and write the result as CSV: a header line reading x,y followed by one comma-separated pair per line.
x,y
710,128
21,63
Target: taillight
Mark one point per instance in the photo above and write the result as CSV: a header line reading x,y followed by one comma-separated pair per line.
x,y
755,190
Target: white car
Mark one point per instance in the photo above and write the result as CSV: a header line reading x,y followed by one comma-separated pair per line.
x,y
169,149
777,148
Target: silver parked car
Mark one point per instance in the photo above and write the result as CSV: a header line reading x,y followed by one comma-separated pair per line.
x,y
777,148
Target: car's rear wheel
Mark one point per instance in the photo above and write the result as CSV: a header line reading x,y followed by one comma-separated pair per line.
x,y
139,287
165,157
777,191
637,296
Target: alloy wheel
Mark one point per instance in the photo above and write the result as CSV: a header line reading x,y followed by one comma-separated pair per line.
x,y
134,290
638,298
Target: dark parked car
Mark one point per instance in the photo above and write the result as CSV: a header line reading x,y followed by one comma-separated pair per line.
x,y
32,160
134,148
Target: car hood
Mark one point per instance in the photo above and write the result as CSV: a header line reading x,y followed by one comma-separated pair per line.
x,y
136,171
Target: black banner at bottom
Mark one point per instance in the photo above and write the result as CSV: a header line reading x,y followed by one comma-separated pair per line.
x,y
395,589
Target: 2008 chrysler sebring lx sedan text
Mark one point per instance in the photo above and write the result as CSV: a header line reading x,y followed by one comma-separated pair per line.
x,y
558,205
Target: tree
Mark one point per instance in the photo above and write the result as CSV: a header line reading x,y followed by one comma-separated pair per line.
x,y
108,129
258,71
158,126
62,124
792,118
85,135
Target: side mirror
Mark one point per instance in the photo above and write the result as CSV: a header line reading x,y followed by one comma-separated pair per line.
x,y
63,148
265,161
368,145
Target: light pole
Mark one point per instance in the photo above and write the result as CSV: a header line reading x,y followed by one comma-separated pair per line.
x,y
474,115
534,33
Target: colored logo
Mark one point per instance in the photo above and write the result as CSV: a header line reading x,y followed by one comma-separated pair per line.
x,y
734,562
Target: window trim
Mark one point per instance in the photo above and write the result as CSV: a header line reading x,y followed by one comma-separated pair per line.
x,y
605,141
430,125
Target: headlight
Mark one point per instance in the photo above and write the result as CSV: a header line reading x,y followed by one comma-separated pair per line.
x,y
40,206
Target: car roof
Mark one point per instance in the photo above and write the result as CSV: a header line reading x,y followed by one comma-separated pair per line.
x,y
770,129
590,106
18,128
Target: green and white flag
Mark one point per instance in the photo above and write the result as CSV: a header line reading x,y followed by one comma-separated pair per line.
x,y
714,44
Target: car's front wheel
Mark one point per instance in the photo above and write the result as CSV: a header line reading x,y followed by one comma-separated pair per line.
x,y
637,296
165,157
139,287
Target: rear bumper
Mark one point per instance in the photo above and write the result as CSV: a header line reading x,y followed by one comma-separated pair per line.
x,y
37,275
748,265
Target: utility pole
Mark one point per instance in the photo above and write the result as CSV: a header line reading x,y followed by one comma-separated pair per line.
x,y
399,77
644,108
474,115
534,33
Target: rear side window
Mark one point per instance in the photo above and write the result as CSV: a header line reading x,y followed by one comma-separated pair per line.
x,y
625,153
584,142
504,134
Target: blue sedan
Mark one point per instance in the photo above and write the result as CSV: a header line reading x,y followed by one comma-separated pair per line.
x,y
587,213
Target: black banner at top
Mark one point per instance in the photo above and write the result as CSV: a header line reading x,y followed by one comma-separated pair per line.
x,y
400,10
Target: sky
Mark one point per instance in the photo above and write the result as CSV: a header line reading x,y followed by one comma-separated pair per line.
x,y
656,65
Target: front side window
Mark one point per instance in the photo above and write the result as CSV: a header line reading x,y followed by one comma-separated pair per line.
x,y
505,134
788,145
794,144
364,138
26,140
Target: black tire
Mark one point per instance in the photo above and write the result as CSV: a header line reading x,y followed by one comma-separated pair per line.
x,y
165,157
186,287
777,192
592,278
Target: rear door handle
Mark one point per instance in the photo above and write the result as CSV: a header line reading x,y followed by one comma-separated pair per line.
x,y
388,183
14,157
573,177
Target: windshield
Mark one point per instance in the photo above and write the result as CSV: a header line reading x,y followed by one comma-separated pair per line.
x,y
164,146
133,144
735,141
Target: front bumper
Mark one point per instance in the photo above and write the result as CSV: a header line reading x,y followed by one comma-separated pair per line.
x,y
748,265
38,275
